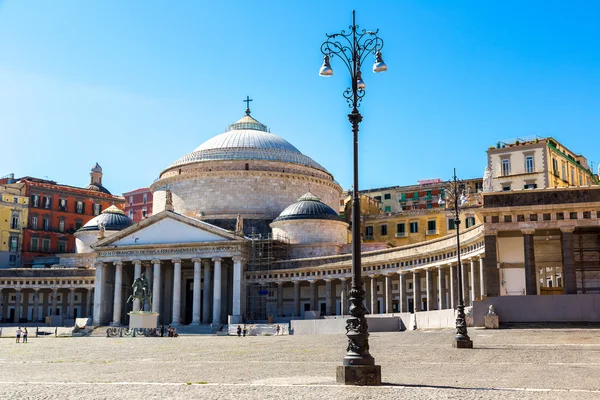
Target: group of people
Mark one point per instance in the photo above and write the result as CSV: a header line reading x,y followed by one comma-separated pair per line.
x,y
22,332
242,332
169,331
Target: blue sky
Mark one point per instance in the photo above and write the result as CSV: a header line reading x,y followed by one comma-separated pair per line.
x,y
134,85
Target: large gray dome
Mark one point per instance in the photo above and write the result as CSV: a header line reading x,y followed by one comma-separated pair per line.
x,y
247,139
112,218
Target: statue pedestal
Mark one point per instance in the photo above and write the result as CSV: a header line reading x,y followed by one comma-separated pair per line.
x,y
143,320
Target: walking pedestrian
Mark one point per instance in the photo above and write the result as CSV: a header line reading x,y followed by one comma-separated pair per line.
x,y
19,335
25,335
244,330
277,329
239,331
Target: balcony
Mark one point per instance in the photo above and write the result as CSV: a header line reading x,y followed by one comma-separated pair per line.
x,y
400,234
432,232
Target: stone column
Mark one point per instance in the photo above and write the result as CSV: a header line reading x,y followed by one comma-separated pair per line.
x,y
71,306
453,280
569,275
196,292
475,281
328,302
482,279
465,284
441,288
36,305
98,282
137,272
366,281
176,291
17,316
343,297
1,305
206,294
402,305
313,296
530,272
148,273
54,301
417,291
118,293
374,307
156,284
490,265
217,292
430,289
88,303
237,287
388,294
297,299
280,299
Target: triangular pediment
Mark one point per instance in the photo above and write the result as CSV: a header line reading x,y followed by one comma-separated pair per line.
x,y
167,227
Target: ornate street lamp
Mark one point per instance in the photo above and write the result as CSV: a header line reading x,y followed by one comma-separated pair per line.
x,y
462,339
352,48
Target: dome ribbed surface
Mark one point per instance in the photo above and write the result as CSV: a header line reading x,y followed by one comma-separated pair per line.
x,y
308,206
247,139
113,219
97,188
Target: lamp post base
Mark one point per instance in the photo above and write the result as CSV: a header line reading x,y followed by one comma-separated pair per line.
x,y
360,375
462,344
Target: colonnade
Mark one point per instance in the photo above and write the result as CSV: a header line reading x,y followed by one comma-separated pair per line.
x,y
16,303
215,292
406,290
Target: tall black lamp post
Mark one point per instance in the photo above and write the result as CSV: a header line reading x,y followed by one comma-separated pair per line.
x,y
462,339
352,48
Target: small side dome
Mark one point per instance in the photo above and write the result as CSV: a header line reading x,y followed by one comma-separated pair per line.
x,y
97,188
308,206
113,219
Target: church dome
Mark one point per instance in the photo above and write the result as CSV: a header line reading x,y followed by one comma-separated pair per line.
x,y
113,219
247,139
308,206
97,188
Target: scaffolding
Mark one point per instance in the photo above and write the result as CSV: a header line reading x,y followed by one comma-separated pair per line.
x,y
587,261
261,297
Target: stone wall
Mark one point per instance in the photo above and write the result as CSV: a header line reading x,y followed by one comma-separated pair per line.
x,y
249,193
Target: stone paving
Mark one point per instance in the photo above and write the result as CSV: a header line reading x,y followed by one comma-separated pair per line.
x,y
505,364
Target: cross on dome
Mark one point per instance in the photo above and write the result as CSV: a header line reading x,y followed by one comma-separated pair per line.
x,y
247,101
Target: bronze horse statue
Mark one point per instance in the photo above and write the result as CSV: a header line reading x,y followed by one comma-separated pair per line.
x,y
141,292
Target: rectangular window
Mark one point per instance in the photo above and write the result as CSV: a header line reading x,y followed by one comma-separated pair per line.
x,y
34,244
506,188
383,230
130,201
14,222
46,245
564,172
144,213
14,242
387,196
97,209
131,214
61,225
431,227
16,200
529,164
62,204
451,225
378,198
369,232
35,200
530,186
79,207
78,224
34,222
414,227
573,177
401,229
46,224
62,246
403,197
555,166
470,221
505,167
388,209
47,202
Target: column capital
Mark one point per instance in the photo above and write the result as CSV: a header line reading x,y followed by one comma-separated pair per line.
x,y
18,289
328,280
196,260
98,264
176,261
118,263
217,259
529,231
237,258
296,283
155,261
137,262
280,283
567,229
490,232
343,279
72,290
402,272
37,289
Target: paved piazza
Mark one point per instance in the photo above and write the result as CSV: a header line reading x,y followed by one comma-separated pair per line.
x,y
519,364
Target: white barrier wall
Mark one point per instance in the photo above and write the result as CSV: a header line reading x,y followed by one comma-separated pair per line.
x,y
558,308
338,325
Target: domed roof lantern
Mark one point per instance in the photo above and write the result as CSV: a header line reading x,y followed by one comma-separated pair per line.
x,y
111,219
96,180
